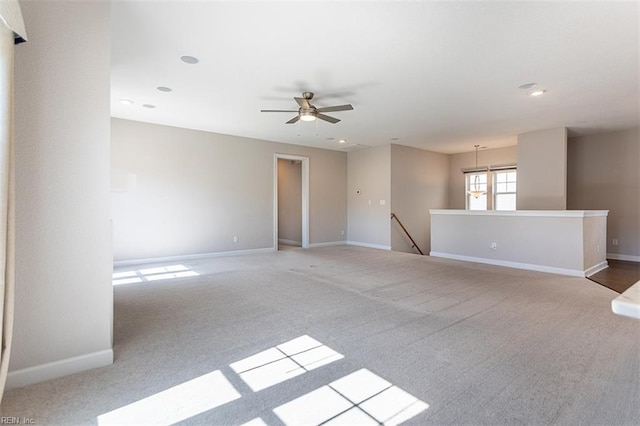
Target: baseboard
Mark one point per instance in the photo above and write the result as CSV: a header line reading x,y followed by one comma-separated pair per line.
x,y
190,257
54,370
597,268
290,242
374,246
509,264
328,244
627,257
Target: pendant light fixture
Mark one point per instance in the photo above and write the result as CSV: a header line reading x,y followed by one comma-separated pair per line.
x,y
476,192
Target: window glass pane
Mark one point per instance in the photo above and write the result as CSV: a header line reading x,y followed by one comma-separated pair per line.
x,y
511,176
501,177
479,203
511,187
501,187
505,202
476,181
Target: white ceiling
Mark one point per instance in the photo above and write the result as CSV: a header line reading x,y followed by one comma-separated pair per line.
x,y
442,76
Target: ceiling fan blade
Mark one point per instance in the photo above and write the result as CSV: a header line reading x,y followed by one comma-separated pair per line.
x,y
347,107
304,103
278,110
293,120
327,118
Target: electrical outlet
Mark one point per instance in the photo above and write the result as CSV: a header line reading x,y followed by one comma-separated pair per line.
x,y
342,232
493,246
383,202
235,239
614,241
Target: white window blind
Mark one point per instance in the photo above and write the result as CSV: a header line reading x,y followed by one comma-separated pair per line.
x,y
11,17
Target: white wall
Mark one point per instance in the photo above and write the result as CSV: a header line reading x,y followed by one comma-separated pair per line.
x,y
603,172
542,170
63,241
370,174
594,234
196,190
290,201
419,182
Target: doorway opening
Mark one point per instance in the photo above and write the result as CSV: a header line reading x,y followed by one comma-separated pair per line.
x,y
291,201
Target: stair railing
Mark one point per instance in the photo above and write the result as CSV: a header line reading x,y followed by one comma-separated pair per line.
x,y
393,216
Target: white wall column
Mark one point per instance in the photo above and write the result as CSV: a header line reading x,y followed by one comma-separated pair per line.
x,y
542,170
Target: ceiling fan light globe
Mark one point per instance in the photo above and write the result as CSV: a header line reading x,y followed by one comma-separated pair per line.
x,y
307,116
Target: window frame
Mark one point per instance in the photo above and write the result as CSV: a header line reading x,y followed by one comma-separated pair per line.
x,y
495,185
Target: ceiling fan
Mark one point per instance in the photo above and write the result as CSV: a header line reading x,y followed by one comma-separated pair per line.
x,y
308,112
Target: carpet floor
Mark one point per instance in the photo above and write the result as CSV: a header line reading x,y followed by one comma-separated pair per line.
x,y
350,335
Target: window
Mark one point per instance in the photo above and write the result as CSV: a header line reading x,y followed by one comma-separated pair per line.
x,y
476,181
504,190
499,184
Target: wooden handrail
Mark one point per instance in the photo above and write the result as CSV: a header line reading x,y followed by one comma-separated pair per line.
x,y
393,216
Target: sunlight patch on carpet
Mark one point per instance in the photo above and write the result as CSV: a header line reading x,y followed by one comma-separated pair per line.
x,y
153,274
175,404
255,422
361,398
283,362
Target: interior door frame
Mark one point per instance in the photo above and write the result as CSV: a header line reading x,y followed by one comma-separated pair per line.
x,y
305,197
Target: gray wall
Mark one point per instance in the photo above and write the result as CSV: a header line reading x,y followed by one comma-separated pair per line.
x,y
486,157
196,190
542,170
604,174
419,182
63,242
290,201
370,174
556,241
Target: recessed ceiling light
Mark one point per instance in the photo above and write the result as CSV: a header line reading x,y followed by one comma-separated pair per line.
x,y
527,86
538,93
163,89
329,139
342,141
149,106
189,59
126,101
394,139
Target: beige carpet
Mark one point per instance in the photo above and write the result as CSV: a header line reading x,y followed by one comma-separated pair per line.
x,y
462,343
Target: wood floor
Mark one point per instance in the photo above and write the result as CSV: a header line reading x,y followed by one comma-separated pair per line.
x,y
619,276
